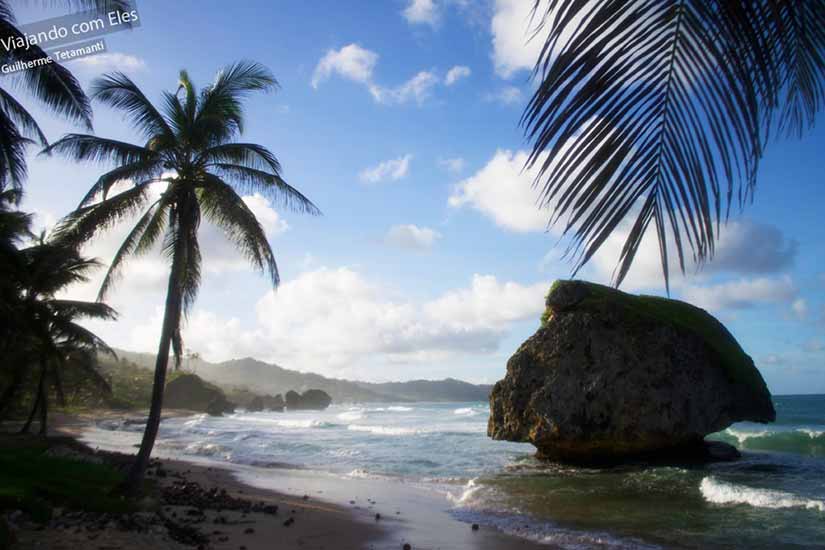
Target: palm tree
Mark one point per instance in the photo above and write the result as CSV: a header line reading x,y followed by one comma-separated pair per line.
x,y
659,111
50,337
51,84
15,229
188,145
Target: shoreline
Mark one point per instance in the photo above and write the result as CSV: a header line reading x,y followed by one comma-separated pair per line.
x,y
327,511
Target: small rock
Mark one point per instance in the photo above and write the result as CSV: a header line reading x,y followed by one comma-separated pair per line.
x,y
249,531
377,517
407,546
475,527
289,522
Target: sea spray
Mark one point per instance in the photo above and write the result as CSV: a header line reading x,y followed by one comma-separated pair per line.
x,y
720,492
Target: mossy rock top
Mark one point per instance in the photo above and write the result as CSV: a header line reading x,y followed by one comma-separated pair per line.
x,y
574,295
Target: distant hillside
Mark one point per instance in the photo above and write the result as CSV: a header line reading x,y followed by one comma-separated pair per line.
x,y
272,379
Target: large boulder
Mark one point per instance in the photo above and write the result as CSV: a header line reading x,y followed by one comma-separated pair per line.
x,y
315,400
610,376
191,392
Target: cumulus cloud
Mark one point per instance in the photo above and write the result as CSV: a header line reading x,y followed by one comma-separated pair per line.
x,y
513,49
357,64
421,12
509,95
336,322
411,237
418,89
453,165
503,191
388,170
456,73
351,62
742,293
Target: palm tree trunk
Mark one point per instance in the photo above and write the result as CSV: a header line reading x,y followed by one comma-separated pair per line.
x,y
44,404
38,400
171,320
10,391
27,425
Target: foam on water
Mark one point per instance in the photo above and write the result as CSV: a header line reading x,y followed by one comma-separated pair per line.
x,y
721,492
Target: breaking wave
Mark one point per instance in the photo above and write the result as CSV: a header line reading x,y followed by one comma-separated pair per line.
x,y
721,492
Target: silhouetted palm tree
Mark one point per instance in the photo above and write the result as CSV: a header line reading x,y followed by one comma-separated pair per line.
x,y
188,145
51,84
658,112
49,336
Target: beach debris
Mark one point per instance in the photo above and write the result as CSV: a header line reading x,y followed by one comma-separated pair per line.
x,y
289,522
249,531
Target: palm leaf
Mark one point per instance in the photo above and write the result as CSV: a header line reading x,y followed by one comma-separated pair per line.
x,y
223,207
270,185
656,113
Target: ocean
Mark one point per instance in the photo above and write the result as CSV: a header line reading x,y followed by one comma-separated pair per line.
x,y
774,497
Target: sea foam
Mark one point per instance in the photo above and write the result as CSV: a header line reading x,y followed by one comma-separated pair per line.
x,y
721,492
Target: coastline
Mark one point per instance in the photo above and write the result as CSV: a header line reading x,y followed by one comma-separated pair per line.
x,y
325,511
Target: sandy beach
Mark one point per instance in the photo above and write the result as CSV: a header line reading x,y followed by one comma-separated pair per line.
x,y
275,508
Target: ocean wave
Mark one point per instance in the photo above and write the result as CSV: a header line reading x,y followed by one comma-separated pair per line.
x,y
465,411
399,409
805,441
466,498
289,423
384,430
721,492
357,414
202,448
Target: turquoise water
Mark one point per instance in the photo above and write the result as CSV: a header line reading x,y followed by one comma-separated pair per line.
x,y
774,497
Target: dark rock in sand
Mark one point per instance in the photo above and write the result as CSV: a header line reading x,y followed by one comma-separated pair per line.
x,y
611,376
189,391
314,400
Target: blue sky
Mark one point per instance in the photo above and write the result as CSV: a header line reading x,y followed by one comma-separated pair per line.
x,y
400,120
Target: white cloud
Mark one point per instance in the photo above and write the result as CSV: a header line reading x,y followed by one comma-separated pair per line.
x,y
513,49
503,191
456,73
336,322
418,89
351,62
357,64
388,170
411,236
742,293
421,11
453,165
509,95
111,61
799,308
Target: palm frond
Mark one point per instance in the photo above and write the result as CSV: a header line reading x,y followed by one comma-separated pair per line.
x,y
12,155
249,155
119,92
131,245
654,113
269,185
85,147
25,123
72,309
138,171
82,224
51,84
223,207
220,113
